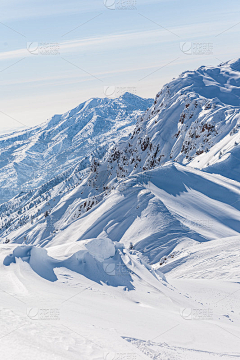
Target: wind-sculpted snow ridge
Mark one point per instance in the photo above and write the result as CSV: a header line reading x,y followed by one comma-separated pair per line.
x,y
82,212
152,211
99,260
31,157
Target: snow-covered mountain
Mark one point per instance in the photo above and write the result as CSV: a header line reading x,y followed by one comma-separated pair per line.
x,y
195,120
130,242
188,107
191,107
31,157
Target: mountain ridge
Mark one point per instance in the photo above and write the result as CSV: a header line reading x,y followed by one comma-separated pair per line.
x,y
33,156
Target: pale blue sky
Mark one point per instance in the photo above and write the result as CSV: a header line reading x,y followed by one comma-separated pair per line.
x,y
97,47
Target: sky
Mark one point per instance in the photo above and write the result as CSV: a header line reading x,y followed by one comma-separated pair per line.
x,y
55,54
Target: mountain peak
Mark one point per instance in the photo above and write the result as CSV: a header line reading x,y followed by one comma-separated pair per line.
x,y
127,95
233,64
221,82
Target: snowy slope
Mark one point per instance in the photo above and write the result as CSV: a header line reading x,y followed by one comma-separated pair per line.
x,y
73,316
220,260
31,157
155,211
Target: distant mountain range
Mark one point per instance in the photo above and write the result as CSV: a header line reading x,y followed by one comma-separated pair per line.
x,y
31,157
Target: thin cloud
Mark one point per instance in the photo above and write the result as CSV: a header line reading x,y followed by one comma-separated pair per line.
x,y
125,40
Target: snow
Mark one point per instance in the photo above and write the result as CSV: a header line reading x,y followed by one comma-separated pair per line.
x,y
218,260
108,302
75,316
132,252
